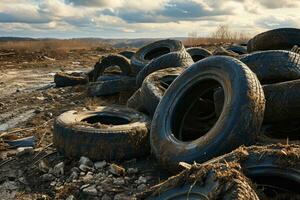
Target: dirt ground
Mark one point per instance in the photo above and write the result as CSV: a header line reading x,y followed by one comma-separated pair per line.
x,y
28,105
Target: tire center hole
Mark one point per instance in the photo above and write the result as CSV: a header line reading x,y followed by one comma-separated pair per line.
x,y
197,57
273,185
106,119
154,53
194,115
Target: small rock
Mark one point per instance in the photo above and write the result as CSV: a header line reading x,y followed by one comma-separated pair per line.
x,y
132,170
53,183
2,104
75,169
82,173
71,197
84,186
85,168
85,161
59,169
88,177
105,197
141,180
49,114
142,187
100,164
91,190
116,169
47,177
24,150
43,166
119,181
73,176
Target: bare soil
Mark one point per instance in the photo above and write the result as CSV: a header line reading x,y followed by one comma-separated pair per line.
x,y
29,103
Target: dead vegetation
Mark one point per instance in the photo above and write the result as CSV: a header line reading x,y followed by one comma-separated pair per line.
x,y
222,35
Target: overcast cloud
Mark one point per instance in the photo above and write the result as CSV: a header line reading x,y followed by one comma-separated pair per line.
x,y
142,18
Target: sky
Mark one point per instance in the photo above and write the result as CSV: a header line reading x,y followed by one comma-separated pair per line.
x,y
142,18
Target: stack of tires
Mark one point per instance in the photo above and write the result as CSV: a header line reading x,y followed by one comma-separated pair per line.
x,y
191,105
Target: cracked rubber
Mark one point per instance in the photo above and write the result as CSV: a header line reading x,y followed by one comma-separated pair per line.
x,y
109,61
152,90
62,79
198,53
238,124
274,66
125,140
154,50
280,39
170,60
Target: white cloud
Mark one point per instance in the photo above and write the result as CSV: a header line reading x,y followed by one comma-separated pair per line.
x,y
144,18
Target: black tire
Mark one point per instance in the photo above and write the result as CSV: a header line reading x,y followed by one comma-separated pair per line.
x,y
223,52
175,59
237,49
154,50
198,53
112,60
277,166
277,39
153,89
135,102
284,132
296,49
62,79
274,66
238,124
282,101
218,181
127,54
124,136
108,85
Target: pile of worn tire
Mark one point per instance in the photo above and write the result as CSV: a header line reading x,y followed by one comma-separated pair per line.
x,y
227,120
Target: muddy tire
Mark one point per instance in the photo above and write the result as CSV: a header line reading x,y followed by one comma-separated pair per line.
x,y
153,89
122,134
282,101
274,66
284,132
217,181
108,85
277,166
175,59
237,49
127,54
154,50
280,39
245,106
224,52
62,79
111,60
198,53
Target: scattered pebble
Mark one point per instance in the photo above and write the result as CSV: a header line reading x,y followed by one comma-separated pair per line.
x,y
58,169
101,164
116,169
24,150
85,161
91,190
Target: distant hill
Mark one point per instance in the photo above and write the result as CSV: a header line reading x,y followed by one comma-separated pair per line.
x,y
118,43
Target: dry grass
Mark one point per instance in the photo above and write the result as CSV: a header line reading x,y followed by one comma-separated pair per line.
x,y
52,45
222,35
